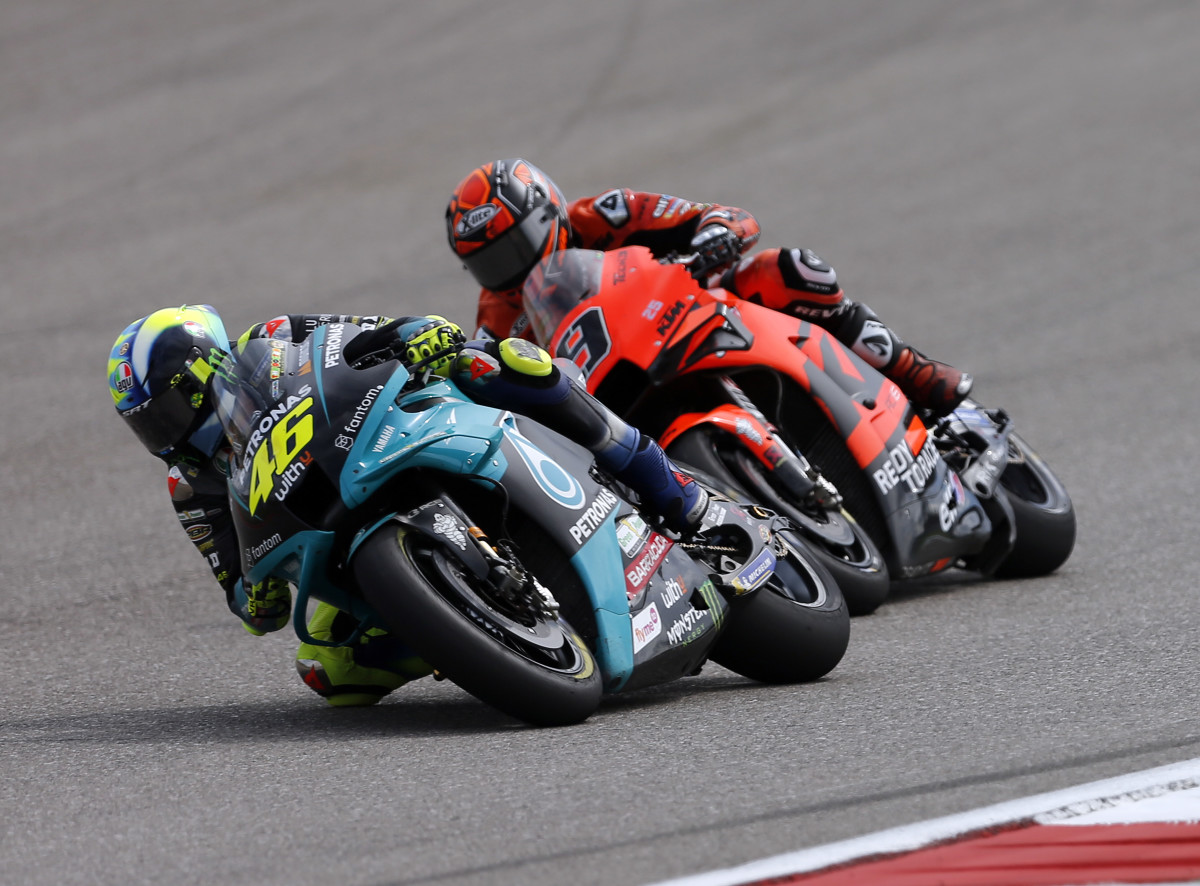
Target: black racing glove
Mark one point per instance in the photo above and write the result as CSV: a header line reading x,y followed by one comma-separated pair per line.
x,y
715,247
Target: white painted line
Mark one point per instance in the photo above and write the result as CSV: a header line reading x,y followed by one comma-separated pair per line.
x,y
1167,793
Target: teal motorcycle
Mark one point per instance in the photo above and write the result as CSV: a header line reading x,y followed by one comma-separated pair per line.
x,y
493,547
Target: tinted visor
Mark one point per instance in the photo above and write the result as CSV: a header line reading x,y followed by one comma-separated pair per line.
x,y
162,422
504,262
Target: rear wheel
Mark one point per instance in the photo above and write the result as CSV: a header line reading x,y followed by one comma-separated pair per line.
x,y
1042,512
833,536
516,658
794,629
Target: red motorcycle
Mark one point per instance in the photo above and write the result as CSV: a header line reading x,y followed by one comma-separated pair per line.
x,y
754,401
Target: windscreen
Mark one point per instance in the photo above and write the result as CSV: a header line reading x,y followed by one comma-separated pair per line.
x,y
557,285
245,386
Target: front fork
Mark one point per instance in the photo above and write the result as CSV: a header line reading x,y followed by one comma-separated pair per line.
x,y
444,522
743,420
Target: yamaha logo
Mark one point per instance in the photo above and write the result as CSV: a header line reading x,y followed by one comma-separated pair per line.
x,y
475,219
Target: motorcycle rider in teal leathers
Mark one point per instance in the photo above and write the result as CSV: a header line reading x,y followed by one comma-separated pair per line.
x,y
160,377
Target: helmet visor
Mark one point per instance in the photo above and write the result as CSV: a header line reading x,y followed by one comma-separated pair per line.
x,y
504,262
162,422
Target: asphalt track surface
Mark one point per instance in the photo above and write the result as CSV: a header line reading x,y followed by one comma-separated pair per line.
x,y
1015,186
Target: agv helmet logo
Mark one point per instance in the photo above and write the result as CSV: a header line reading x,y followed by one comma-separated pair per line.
x,y
124,378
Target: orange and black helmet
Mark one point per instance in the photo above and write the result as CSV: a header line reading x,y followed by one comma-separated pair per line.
x,y
503,219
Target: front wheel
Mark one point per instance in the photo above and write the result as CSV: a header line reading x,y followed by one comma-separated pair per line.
x,y
833,536
1042,512
522,662
794,629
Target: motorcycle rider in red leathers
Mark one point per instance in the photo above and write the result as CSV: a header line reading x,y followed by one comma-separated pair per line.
x,y
507,215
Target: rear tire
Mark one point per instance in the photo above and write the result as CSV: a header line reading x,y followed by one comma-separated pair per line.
x,y
794,629
1042,511
536,669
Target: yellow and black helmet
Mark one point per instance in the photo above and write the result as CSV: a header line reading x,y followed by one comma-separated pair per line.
x,y
159,375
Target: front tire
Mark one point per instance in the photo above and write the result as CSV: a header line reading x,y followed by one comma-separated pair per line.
x,y
534,668
836,538
794,629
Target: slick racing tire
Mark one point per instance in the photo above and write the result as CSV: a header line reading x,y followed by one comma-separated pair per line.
x,y
1042,512
794,629
834,537
534,668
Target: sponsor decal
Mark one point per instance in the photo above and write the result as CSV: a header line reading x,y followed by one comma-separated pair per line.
x,y
755,573
667,206
647,625
622,267
384,437
673,592
184,516
901,467
444,524
639,573
745,428
558,485
290,474
276,361
199,532
361,410
124,377
304,357
341,441
715,515
690,625
269,458
474,219
875,338
593,516
631,532
267,422
194,329
333,344
952,497
256,552
668,320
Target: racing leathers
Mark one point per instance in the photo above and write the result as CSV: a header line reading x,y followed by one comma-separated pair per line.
x,y
794,281
510,374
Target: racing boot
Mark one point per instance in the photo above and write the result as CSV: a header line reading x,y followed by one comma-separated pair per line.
x,y
671,493
937,387
358,675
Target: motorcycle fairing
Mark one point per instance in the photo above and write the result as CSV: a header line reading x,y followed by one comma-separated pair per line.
x,y
629,650
867,410
372,439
